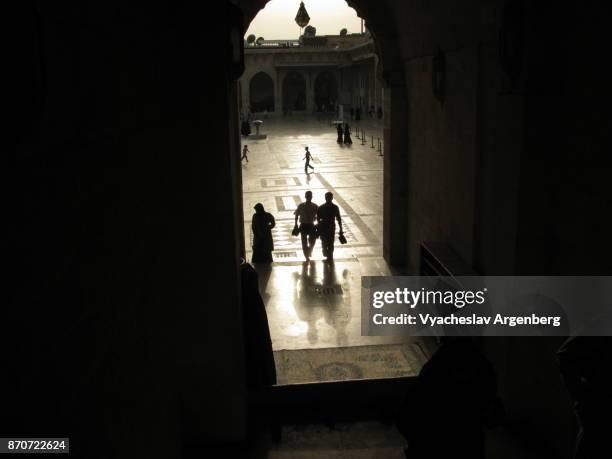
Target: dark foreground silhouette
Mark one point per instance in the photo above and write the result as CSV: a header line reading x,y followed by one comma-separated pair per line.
x,y
584,362
455,398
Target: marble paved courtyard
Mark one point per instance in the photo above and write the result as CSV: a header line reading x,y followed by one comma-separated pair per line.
x,y
316,304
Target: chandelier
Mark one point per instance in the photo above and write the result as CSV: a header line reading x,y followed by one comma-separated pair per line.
x,y
302,19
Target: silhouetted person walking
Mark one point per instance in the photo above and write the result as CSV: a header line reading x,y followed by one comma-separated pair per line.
x,y
347,134
307,213
340,133
245,150
585,363
263,244
327,215
307,157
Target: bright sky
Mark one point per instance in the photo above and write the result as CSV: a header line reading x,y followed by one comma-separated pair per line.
x,y
277,20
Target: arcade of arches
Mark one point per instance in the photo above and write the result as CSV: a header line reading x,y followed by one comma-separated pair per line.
x,y
312,79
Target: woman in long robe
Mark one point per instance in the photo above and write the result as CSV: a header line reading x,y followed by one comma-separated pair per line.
x,y
339,128
263,244
245,128
347,134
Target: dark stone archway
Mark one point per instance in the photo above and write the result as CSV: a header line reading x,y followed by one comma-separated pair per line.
x,y
294,92
261,93
325,91
380,24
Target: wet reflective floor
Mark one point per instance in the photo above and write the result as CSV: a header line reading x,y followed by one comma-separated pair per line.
x,y
316,304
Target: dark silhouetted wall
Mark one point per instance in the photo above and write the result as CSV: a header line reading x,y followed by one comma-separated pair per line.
x,y
123,327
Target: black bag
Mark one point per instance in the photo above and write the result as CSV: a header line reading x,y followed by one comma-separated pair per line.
x,y
295,231
341,238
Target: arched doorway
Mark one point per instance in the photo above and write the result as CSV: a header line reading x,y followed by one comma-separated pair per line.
x,y
294,92
316,300
325,91
394,140
261,92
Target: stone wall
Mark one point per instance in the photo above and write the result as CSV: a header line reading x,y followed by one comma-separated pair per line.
x,y
123,328
496,169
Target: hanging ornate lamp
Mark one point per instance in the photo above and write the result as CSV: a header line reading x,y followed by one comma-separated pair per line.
x,y
302,19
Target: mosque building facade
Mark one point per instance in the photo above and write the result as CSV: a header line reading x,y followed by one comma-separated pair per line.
x,y
312,75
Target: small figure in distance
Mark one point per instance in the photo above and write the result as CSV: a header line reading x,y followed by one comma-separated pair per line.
x,y
340,133
245,150
307,157
263,244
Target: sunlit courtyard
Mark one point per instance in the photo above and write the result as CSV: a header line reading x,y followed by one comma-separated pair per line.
x,y
317,304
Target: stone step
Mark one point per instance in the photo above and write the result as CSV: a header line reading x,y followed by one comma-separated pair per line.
x,y
358,440
358,453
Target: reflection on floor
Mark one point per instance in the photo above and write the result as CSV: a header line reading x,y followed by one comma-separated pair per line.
x,y
347,363
317,304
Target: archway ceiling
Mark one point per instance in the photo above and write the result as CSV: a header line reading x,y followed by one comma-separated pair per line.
x,y
379,21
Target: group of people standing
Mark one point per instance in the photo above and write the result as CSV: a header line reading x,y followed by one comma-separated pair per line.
x,y
344,134
311,222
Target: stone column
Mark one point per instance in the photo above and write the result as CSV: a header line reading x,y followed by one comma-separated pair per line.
x,y
395,188
246,93
374,85
309,91
279,91
278,98
369,88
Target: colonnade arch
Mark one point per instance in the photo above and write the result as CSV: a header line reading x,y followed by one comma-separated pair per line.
x,y
294,92
325,91
261,92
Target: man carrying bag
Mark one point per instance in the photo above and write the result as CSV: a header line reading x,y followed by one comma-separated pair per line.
x,y
307,213
327,215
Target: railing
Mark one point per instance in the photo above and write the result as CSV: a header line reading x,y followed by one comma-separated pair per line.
x,y
439,259
273,44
